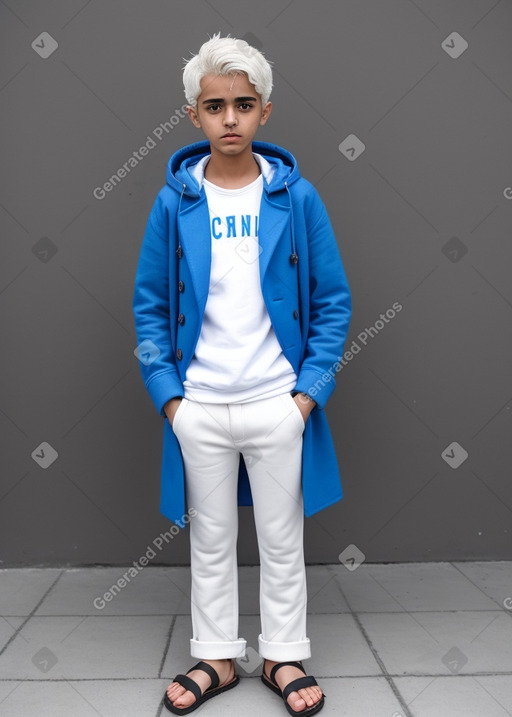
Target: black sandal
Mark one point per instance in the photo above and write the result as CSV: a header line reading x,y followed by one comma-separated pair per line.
x,y
293,686
189,684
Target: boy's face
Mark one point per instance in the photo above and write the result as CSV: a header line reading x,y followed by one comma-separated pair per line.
x,y
229,106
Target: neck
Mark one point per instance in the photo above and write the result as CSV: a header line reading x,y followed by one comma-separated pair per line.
x,y
221,167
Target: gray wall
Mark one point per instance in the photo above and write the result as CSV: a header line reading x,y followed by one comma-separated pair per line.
x,y
423,219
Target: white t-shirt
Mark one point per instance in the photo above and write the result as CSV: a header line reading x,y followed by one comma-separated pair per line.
x,y
237,357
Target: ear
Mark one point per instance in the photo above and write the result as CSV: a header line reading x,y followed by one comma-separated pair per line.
x,y
266,113
194,117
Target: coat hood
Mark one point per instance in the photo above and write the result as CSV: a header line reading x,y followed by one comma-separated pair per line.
x,y
283,164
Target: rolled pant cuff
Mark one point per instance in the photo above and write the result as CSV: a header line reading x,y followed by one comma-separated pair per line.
x,y
283,651
217,650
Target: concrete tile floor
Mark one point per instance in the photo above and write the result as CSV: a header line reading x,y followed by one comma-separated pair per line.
x,y
394,640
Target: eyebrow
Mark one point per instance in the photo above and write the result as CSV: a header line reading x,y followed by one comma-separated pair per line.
x,y
219,100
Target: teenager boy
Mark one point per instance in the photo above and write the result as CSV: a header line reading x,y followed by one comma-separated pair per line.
x,y
242,308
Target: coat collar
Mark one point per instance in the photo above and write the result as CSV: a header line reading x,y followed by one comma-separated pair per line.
x,y
267,169
282,167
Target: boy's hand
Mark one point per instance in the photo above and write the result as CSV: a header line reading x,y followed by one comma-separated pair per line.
x,y
171,407
305,404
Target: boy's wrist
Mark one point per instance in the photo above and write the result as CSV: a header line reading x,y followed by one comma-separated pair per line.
x,y
168,403
306,396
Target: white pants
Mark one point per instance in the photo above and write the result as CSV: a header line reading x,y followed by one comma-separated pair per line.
x,y
268,433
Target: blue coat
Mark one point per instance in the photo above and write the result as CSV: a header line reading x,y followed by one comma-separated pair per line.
x,y
308,301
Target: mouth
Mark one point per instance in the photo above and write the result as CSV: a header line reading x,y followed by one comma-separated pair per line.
x,y
230,135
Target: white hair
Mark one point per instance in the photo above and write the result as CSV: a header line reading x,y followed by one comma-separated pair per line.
x,y
226,56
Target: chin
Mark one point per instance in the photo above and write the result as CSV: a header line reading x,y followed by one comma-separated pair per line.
x,y
232,149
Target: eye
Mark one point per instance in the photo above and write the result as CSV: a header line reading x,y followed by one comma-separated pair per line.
x,y
211,107
246,105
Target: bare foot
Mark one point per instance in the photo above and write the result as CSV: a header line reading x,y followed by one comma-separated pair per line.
x,y
305,697
181,697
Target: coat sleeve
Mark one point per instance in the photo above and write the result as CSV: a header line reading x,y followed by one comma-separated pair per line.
x,y
330,305
151,311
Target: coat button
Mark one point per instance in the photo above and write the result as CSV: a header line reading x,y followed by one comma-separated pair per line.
x,y
295,314
181,319
179,354
179,252
181,286
294,258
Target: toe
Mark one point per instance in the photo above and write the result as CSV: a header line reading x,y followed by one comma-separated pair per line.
x,y
314,695
179,696
296,702
306,697
185,699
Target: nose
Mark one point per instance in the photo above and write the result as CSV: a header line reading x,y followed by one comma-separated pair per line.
x,y
229,116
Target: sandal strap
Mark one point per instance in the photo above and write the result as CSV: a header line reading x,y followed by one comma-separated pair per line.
x,y
282,664
189,684
299,684
209,670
